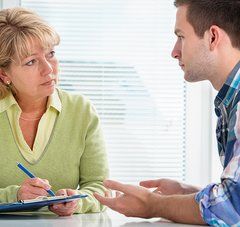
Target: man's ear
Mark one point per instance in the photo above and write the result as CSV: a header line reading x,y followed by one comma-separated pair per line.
x,y
4,78
215,36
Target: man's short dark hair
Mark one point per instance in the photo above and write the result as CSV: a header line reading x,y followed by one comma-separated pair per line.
x,y
202,14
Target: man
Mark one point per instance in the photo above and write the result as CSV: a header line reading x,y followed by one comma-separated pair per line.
x,y
207,48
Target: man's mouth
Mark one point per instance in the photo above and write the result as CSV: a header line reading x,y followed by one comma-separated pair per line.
x,y
181,65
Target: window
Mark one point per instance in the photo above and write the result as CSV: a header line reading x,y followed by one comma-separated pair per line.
x,y
118,53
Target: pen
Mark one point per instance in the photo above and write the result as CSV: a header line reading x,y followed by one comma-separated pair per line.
x,y
25,170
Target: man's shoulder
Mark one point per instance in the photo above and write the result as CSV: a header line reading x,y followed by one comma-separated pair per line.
x,y
234,106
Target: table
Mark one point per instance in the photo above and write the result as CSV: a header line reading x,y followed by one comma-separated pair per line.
x,y
108,218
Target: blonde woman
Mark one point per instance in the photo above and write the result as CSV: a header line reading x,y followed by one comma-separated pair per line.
x,y
54,134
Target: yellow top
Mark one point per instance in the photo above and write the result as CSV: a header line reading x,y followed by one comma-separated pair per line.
x,y
44,130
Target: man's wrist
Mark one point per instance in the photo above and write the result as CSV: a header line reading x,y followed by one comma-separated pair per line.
x,y
177,208
155,205
189,189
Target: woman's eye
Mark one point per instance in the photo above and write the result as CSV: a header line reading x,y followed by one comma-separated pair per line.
x,y
29,63
51,54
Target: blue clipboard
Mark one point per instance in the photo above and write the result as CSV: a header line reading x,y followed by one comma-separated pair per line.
x,y
35,204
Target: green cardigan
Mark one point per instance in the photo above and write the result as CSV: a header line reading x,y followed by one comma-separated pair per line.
x,y
75,156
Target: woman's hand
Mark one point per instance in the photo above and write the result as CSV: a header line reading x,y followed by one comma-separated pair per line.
x,y
32,188
65,209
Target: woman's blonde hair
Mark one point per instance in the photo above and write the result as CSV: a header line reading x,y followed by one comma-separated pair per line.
x,y
18,27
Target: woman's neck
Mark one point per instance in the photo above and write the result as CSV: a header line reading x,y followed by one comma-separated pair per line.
x,y
33,108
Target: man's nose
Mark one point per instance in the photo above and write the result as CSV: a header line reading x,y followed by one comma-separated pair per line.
x,y
176,52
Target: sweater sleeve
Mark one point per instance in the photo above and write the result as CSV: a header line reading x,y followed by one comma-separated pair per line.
x,y
93,166
9,194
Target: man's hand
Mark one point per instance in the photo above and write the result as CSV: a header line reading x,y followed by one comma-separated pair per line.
x,y
65,209
169,187
32,188
135,201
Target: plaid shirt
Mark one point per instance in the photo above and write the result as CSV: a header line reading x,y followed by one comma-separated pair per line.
x,y
220,203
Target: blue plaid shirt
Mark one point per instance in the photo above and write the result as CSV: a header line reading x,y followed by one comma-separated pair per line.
x,y
220,203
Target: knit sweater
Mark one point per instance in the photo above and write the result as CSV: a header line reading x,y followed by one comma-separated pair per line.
x,y
74,157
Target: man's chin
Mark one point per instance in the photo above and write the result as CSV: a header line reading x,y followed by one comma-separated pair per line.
x,y
192,78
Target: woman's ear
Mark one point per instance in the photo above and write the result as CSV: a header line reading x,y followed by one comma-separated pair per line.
x,y
4,78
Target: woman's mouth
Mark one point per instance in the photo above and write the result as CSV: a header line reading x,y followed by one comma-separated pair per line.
x,y
50,82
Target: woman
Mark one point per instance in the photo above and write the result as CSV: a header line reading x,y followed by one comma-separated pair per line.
x,y
55,135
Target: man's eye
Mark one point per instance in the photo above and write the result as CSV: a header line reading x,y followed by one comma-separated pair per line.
x,y
30,62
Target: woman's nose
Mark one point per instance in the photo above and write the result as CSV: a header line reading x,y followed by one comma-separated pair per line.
x,y
46,68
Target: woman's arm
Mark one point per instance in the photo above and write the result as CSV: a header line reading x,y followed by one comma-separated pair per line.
x,y
93,166
9,194
93,169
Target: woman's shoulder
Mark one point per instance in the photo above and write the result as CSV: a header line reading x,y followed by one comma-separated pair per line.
x,y
70,100
77,105
72,97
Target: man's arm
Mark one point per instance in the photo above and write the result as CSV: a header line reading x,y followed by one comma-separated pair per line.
x,y
137,201
178,208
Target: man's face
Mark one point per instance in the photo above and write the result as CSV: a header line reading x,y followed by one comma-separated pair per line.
x,y
191,51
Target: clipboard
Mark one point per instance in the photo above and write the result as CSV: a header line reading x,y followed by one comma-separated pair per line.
x,y
35,204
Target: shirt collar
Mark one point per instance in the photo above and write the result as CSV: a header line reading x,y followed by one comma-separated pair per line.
x,y
7,102
53,101
229,88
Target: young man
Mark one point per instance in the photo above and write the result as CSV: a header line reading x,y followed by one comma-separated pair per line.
x,y
207,48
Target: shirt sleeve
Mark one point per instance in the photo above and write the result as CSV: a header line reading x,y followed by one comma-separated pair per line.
x,y
93,166
219,203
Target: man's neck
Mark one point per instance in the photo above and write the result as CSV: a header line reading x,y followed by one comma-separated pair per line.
x,y
224,68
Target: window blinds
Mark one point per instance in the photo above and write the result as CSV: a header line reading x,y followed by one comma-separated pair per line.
x,y
117,52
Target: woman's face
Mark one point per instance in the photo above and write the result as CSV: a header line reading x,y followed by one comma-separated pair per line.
x,y
35,76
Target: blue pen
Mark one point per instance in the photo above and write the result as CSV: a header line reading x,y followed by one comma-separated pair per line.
x,y
25,170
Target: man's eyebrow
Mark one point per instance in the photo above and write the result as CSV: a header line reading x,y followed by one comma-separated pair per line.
x,y
177,30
